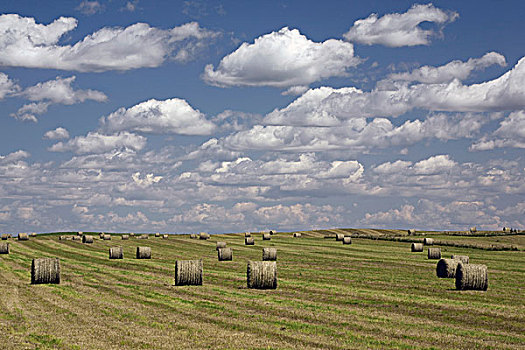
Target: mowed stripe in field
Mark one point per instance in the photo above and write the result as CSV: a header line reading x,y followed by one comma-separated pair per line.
x,y
372,294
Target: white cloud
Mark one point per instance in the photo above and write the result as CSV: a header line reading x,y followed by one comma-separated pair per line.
x,y
90,7
147,180
172,116
94,142
7,86
57,134
326,106
399,29
434,165
28,112
131,6
14,157
438,215
282,59
453,70
53,91
354,135
60,91
25,43
511,133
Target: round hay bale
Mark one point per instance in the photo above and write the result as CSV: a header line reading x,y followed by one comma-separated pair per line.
x,y
472,277
204,235
5,236
446,268
87,239
220,245
157,235
434,253
428,241
116,253
347,240
247,234
4,248
188,272
416,247
339,237
125,237
261,275
249,241
473,229
33,234
266,237
61,238
143,253
132,234
69,238
194,236
23,237
269,254
45,270
463,258
297,234
144,236
165,236
225,254
411,232
80,233
9,235
76,238
101,235
271,232
107,237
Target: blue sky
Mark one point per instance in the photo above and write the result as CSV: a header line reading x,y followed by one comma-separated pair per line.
x,y
231,116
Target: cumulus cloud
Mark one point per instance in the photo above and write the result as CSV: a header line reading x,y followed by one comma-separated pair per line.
x,y
14,157
50,92
172,116
90,7
282,59
511,133
354,135
61,91
453,70
25,43
439,215
399,29
94,142
57,134
326,106
7,86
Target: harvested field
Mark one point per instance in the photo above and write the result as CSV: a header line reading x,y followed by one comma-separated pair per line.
x,y
322,299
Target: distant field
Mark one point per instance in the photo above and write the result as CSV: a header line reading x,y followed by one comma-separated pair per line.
x,y
371,294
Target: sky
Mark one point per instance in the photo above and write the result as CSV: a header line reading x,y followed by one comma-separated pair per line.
x,y
227,116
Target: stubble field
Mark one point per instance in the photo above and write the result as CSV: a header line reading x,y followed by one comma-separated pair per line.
x,y
370,294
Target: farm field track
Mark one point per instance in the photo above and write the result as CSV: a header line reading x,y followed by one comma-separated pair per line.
x,y
370,294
